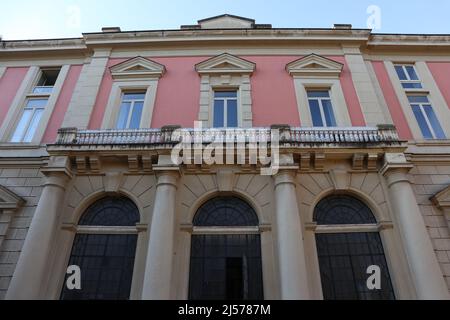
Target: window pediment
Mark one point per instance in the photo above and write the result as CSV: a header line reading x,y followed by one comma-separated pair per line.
x,y
442,198
137,68
9,200
315,66
226,21
225,64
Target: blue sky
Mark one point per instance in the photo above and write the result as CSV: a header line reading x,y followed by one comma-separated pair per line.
x,y
31,19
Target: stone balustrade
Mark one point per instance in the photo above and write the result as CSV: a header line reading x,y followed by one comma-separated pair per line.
x,y
288,136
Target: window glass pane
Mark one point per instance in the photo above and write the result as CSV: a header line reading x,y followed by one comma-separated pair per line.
x,y
225,212
329,114
342,210
318,94
412,73
33,125
426,132
219,115
401,73
36,103
22,125
107,263
111,211
134,96
123,115
344,259
315,113
45,90
434,122
225,94
232,116
412,85
136,116
418,99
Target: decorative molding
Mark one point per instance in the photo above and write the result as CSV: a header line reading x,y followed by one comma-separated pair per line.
x,y
442,199
225,64
314,66
9,200
137,68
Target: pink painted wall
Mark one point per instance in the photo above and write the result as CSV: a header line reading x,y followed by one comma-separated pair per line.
x,y
9,84
392,101
441,74
96,119
178,96
62,104
273,92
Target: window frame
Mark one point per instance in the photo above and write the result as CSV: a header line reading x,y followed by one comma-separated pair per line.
x,y
321,107
409,80
225,111
26,128
425,116
363,228
112,111
25,93
77,228
132,107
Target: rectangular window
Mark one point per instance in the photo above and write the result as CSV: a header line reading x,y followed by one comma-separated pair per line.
x,y
225,112
321,108
29,120
408,77
46,81
426,118
130,112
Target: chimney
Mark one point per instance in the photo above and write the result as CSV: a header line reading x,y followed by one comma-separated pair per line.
x,y
340,26
111,29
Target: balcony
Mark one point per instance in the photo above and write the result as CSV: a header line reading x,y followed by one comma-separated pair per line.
x,y
167,137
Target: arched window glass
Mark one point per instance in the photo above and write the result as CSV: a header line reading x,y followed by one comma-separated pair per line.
x,y
111,212
345,253
226,265
342,209
106,258
226,212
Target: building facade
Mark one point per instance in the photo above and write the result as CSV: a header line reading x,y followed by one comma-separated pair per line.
x,y
358,123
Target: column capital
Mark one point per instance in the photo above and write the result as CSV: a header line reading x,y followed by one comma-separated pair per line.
x,y
285,176
395,162
58,171
168,176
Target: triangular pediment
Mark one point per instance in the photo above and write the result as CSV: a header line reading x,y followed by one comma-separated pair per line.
x,y
226,21
9,200
137,68
314,65
225,64
442,198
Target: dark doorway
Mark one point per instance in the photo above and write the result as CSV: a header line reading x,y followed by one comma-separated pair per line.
x,y
226,267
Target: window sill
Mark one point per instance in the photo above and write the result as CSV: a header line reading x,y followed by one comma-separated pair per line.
x,y
434,142
22,145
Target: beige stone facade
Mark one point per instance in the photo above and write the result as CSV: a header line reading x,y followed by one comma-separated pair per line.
x,y
46,187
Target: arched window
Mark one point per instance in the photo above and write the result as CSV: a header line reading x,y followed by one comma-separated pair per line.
x,y
348,243
226,252
104,249
225,212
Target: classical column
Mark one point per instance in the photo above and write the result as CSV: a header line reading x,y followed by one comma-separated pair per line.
x,y
291,252
32,269
426,273
158,269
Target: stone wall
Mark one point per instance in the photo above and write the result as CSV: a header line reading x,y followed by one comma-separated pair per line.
x,y
427,181
26,183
